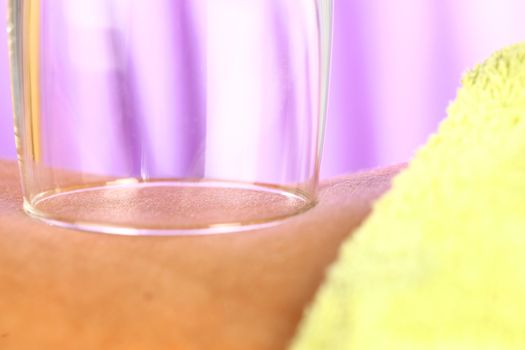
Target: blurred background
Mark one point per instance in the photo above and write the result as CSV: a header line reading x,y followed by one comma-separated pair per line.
x,y
396,67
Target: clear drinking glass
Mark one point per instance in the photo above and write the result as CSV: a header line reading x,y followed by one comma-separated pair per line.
x,y
169,116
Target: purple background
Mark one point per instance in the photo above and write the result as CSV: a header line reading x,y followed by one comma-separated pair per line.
x,y
396,66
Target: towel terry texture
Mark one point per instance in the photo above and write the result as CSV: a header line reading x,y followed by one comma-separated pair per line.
x,y
440,263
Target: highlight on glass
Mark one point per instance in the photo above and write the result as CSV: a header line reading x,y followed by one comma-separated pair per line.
x,y
169,116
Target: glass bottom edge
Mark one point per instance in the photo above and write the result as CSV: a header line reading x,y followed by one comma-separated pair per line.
x,y
168,207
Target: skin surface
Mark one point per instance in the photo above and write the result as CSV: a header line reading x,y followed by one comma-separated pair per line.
x,y
62,289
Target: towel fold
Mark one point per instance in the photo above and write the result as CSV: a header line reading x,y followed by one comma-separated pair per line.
x,y
440,264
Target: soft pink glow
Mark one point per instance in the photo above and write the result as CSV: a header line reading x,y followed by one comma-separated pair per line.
x,y
396,66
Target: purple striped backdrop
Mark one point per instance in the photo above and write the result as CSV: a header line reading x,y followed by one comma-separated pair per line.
x,y
396,65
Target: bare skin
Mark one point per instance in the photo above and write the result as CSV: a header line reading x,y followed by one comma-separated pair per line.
x,y
63,289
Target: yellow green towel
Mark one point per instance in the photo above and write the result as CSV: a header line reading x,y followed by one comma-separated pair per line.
x,y
440,264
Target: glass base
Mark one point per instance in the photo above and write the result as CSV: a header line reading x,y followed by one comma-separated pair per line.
x,y
131,207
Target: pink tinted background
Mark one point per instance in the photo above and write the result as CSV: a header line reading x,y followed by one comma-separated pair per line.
x,y
396,66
